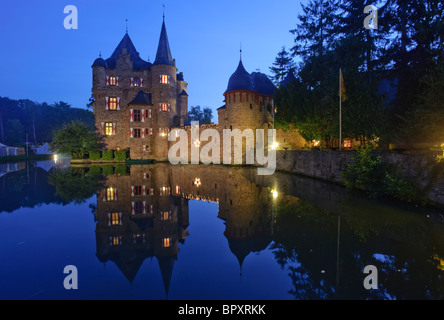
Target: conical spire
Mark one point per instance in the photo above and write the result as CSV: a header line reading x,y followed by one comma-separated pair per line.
x,y
163,55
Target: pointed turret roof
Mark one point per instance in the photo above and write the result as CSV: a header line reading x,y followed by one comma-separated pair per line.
x,y
163,55
258,82
166,265
240,79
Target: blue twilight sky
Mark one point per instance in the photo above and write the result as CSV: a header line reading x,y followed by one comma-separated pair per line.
x,y
42,61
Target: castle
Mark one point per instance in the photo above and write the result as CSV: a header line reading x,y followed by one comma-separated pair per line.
x,y
138,103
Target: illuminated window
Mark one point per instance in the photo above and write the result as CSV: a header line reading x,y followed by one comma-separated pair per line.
x,y
177,189
136,133
166,242
109,128
164,79
137,82
348,144
112,103
166,215
112,81
110,194
163,132
164,107
116,241
165,191
137,115
115,218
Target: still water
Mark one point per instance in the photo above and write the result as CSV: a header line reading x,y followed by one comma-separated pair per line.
x,y
207,232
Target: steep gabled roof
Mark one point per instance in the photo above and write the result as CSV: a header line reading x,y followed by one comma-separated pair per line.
x,y
126,43
163,55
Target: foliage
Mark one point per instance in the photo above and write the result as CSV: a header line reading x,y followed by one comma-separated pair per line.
x,y
204,115
121,155
282,66
19,118
75,184
107,170
365,172
369,173
406,51
107,155
121,169
76,139
94,155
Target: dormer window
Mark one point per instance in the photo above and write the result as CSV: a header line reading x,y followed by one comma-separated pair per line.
x,y
164,79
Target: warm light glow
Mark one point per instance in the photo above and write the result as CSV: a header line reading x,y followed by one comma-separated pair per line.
x,y
275,145
166,242
55,158
316,143
274,193
110,194
164,79
116,241
197,182
197,143
115,218
109,128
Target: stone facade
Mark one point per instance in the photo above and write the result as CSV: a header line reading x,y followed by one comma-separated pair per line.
x,y
138,126
138,103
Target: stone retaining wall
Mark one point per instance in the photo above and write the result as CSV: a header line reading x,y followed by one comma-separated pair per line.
x,y
328,165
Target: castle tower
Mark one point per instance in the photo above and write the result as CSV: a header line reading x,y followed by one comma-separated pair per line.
x,y
248,101
164,88
137,102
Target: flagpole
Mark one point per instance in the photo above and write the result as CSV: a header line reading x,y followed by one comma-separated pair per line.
x,y
340,110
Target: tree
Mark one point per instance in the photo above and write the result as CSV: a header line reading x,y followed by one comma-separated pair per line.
x,y
203,116
282,66
91,101
315,30
75,139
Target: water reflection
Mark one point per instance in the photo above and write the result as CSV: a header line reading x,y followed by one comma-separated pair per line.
x,y
320,235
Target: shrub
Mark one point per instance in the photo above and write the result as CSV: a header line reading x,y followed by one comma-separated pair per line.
x,y
121,155
107,170
94,155
367,172
94,170
107,155
120,169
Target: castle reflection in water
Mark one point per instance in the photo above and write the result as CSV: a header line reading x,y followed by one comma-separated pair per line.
x,y
145,214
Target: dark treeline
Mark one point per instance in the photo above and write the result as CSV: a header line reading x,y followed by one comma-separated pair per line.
x,y
393,75
37,121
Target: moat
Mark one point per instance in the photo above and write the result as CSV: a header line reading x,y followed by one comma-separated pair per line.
x,y
207,232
